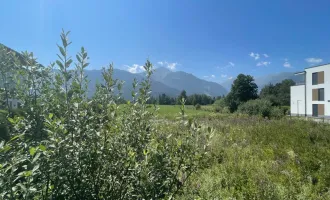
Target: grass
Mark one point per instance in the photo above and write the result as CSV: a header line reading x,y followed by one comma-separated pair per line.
x,y
252,158
173,111
255,158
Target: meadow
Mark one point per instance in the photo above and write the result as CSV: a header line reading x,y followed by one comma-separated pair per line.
x,y
256,158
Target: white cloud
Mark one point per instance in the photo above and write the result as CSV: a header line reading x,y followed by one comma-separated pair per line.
x,y
266,56
313,60
135,68
232,64
230,78
265,63
171,66
223,75
256,56
211,76
287,64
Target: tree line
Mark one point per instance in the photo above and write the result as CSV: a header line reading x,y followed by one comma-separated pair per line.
x,y
194,99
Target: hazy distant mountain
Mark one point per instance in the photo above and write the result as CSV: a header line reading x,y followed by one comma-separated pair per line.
x,y
163,81
184,81
95,76
261,81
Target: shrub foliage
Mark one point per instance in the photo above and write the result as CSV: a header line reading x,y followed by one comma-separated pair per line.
x,y
67,146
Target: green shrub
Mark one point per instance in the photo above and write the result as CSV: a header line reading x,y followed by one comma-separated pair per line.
x,y
220,106
198,106
67,146
286,110
276,113
260,107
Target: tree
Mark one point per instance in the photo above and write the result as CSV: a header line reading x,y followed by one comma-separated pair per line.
x,y
284,91
279,94
183,94
270,92
243,89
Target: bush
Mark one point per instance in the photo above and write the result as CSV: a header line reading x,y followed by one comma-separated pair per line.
x,y
198,106
276,113
260,107
219,105
286,110
67,146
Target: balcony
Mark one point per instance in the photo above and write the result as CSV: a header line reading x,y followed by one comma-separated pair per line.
x,y
299,83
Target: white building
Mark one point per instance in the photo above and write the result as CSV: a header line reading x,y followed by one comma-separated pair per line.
x,y
312,97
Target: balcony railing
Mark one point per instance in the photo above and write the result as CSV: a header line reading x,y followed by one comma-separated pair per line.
x,y
300,83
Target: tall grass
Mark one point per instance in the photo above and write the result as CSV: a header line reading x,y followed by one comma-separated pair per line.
x,y
252,158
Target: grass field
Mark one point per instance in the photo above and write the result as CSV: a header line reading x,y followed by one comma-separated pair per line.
x,y
173,111
255,158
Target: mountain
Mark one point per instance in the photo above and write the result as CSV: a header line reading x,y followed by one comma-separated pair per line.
x,y
163,81
95,76
261,81
184,81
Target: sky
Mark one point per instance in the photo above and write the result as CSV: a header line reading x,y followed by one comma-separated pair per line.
x,y
214,40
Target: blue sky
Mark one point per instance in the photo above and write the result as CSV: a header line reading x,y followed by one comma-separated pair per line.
x,y
214,40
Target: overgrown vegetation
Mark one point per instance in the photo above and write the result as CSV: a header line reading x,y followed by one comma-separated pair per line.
x,y
66,146
251,158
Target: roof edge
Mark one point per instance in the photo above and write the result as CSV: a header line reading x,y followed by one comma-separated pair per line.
x,y
298,73
317,66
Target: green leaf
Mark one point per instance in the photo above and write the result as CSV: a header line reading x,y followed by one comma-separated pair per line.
x,y
11,120
15,137
42,147
35,168
62,51
50,115
36,157
27,173
22,186
85,65
68,63
32,151
78,58
60,64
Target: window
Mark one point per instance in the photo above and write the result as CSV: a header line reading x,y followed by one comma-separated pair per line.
x,y
321,94
315,110
318,110
318,78
318,94
314,78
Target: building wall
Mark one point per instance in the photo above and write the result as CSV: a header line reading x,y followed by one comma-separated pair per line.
x,y
297,94
325,85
